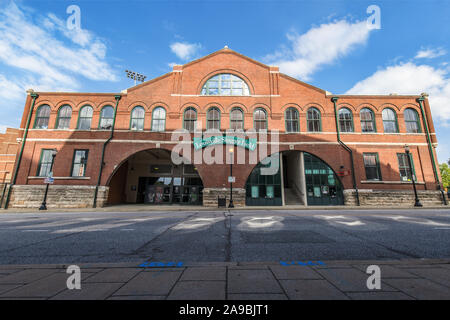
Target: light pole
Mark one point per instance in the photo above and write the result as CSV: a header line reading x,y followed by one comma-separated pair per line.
x,y
135,76
231,205
44,202
416,201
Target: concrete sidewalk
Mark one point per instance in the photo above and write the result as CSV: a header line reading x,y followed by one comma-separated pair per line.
x,y
332,280
149,208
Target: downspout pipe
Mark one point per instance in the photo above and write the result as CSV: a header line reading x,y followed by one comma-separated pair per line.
x,y
102,158
334,100
430,148
34,96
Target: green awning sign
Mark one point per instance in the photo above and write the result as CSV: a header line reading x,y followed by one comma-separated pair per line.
x,y
200,143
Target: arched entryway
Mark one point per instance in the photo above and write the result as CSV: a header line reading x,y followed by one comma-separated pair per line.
x,y
150,177
302,179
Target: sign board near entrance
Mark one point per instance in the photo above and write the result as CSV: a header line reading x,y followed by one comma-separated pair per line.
x,y
231,179
49,180
200,143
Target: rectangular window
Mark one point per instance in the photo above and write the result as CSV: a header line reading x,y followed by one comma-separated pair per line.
x,y
79,162
45,163
406,173
372,166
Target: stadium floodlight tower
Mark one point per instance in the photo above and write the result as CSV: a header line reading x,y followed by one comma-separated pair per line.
x,y
135,76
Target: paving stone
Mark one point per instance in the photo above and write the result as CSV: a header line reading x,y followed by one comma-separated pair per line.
x,y
46,287
294,272
422,289
248,267
137,298
257,296
198,290
206,273
252,281
89,291
4,272
389,271
379,296
150,283
26,276
311,290
114,275
438,275
350,279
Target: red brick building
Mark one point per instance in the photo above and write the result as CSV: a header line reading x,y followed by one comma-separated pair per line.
x,y
331,149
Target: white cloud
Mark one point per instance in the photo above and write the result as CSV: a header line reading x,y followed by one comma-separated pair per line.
x,y
50,55
319,46
410,78
430,53
184,50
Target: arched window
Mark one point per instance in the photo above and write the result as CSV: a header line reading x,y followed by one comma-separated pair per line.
x,y
389,121
42,117
260,119
291,118
64,115
367,120
236,119
85,118
190,119
213,119
225,84
412,121
345,120
159,119
313,120
137,118
106,118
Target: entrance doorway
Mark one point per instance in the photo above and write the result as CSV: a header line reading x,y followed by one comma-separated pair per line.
x,y
150,177
302,179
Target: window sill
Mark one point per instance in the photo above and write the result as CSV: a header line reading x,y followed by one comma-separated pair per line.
x,y
390,182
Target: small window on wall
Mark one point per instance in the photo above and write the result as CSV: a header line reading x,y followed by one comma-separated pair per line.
x,y
367,120
260,119
389,121
85,118
64,116
291,117
137,118
190,119
159,119
42,117
213,119
406,172
412,121
345,120
372,166
45,163
313,120
236,119
79,162
106,118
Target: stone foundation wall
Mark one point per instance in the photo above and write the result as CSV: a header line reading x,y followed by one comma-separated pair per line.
x,y
58,196
210,196
403,198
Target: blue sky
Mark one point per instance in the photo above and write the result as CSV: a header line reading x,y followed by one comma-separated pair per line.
x,y
323,43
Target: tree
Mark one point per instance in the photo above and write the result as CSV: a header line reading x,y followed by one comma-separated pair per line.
x,y
445,174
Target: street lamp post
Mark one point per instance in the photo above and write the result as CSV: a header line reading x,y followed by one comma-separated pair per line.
x,y
44,202
231,205
416,201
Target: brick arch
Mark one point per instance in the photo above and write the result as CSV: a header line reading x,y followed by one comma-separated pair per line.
x,y
346,105
122,157
213,104
231,71
84,103
411,106
237,105
314,105
389,105
100,106
64,103
132,105
159,104
291,105
187,105
366,105
260,105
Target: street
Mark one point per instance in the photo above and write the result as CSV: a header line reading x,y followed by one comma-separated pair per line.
x,y
223,236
